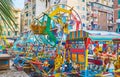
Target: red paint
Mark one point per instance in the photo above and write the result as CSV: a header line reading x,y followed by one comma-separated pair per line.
x,y
77,50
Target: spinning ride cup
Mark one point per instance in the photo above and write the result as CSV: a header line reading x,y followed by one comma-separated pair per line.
x,y
37,29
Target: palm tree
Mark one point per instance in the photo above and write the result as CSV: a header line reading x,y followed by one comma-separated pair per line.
x,y
6,14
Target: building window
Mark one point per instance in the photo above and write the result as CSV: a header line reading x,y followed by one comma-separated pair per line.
x,y
8,33
118,2
29,21
83,16
26,7
78,7
83,0
118,14
4,33
34,6
15,33
110,28
83,8
26,14
33,12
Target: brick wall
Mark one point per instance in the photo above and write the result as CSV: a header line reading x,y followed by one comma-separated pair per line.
x,y
115,4
115,10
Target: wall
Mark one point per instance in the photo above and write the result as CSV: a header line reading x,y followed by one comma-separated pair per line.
x,y
116,8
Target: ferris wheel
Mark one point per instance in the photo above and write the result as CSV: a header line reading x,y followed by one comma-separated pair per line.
x,y
54,24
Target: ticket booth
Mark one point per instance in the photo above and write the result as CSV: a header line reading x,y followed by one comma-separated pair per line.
x,y
76,41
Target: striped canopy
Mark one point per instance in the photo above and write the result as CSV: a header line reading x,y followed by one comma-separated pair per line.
x,y
74,35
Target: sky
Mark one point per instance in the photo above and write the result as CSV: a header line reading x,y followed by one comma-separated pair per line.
x,y
18,3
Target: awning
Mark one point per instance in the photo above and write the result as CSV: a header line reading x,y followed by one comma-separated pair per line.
x,y
116,40
93,35
102,35
103,38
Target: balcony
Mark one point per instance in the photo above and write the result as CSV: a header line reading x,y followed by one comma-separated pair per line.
x,y
26,10
94,8
94,15
118,21
110,24
110,18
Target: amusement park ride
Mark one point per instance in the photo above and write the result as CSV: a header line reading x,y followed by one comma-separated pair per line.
x,y
52,49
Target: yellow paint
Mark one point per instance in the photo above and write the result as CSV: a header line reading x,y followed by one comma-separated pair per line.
x,y
68,55
4,38
80,33
59,10
81,58
58,75
74,57
65,30
109,42
58,61
86,59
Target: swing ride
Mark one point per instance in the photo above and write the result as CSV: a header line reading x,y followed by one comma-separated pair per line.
x,y
53,49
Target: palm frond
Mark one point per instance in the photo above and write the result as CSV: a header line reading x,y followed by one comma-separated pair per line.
x,y
6,13
1,29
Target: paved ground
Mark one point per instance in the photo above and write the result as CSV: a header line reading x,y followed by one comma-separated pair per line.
x,y
12,72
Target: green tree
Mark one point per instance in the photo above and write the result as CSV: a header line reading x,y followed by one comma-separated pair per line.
x,y
6,14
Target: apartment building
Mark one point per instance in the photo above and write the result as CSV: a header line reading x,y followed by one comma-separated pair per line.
x,y
34,8
7,31
94,14
100,15
80,7
117,15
